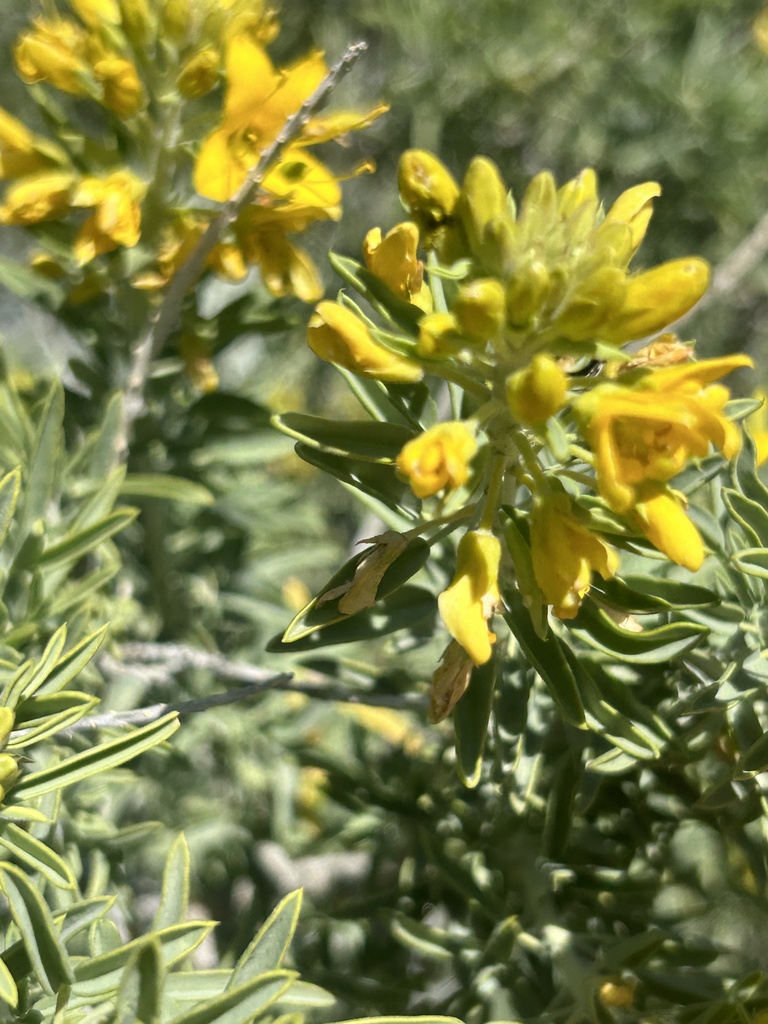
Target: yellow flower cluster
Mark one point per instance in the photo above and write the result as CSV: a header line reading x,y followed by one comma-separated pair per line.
x,y
150,66
519,306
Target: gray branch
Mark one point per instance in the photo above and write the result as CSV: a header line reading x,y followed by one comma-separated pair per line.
x,y
161,662
167,317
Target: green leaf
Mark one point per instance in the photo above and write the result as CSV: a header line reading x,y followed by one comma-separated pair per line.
x,y
409,606
383,300
650,647
267,950
32,917
359,439
46,452
546,656
28,284
73,662
97,759
319,614
9,494
48,659
749,514
240,1005
8,991
101,974
427,1019
470,720
82,542
372,478
563,791
427,942
304,996
174,897
755,759
36,855
752,561
167,488
140,995
640,595
106,438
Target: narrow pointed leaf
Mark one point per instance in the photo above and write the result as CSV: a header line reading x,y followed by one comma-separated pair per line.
x,y
167,488
8,991
38,932
240,1005
140,995
174,897
78,544
9,494
267,950
97,759
36,855
470,720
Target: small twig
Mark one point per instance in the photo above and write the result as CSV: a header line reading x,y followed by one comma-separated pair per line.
x,y
165,320
159,662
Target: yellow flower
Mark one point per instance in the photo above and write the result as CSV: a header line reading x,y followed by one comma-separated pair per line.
x,y
439,336
21,152
537,391
479,308
258,102
123,92
648,430
393,260
55,51
95,12
116,218
427,186
565,553
37,197
472,598
336,334
200,73
659,514
437,459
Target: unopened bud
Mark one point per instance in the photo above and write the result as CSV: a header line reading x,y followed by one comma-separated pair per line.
x,y
479,308
199,74
592,303
538,391
527,292
426,185
483,200
658,297
439,336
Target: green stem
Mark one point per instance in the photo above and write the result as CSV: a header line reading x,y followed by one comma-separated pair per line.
x,y
493,493
528,456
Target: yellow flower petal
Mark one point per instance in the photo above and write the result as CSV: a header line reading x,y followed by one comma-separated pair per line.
x,y
336,334
471,599
437,459
565,553
668,528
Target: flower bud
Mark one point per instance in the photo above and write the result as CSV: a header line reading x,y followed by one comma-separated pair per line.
x,y
426,186
95,12
437,459
658,297
483,200
479,308
199,74
527,292
37,197
634,208
574,193
538,391
123,91
593,302
137,20
439,336
53,52
393,258
176,20
7,719
334,333
9,773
